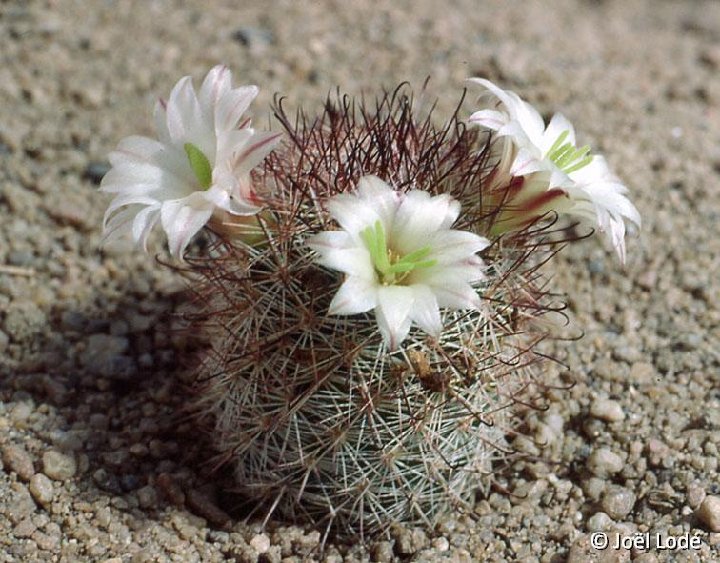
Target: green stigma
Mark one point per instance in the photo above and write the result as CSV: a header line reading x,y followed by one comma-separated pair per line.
x,y
566,157
200,165
391,268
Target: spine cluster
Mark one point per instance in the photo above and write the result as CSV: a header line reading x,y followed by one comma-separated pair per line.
x,y
319,419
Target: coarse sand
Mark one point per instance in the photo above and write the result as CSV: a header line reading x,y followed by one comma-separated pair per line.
x,y
98,463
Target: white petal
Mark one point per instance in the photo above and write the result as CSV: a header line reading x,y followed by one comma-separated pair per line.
x,y
218,196
160,119
232,106
120,224
352,214
231,143
330,240
123,200
257,148
176,111
527,162
489,118
379,195
186,120
453,295
356,295
519,110
337,251
216,85
468,271
393,313
451,246
181,221
417,218
452,212
137,148
425,311
354,261
557,126
144,222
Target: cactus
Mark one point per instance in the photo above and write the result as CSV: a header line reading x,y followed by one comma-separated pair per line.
x,y
318,419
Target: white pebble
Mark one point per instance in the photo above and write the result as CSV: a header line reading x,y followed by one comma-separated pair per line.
x,y
261,543
607,409
603,462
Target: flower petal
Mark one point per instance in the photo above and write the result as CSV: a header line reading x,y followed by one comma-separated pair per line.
x,y
215,86
232,106
557,126
417,218
356,295
352,214
489,118
425,311
455,295
518,110
450,246
144,222
181,221
257,148
383,199
393,313
354,261
186,121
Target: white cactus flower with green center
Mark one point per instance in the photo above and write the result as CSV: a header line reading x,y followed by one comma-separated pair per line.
x,y
198,166
400,257
591,191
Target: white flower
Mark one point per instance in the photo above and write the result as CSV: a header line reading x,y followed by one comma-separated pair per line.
x,y
592,192
199,165
400,256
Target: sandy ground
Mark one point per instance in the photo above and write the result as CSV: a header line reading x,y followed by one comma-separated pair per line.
x,y
97,465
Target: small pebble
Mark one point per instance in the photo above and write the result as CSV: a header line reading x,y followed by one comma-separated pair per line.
x,y
18,460
147,496
20,413
618,502
95,171
249,36
603,462
261,543
607,409
441,544
599,522
59,466
41,488
171,489
709,513
206,507
382,552
695,496
24,529
107,481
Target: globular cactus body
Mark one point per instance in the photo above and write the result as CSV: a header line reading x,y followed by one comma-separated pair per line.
x,y
319,420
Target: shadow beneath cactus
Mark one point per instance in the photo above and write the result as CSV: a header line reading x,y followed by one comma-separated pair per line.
x,y
106,393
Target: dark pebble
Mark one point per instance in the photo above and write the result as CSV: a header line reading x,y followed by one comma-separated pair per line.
x,y
74,321
249,36
129,482
95,171
107,481
204,506
21,258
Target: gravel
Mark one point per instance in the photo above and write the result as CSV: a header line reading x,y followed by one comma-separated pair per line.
x,y
100,460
